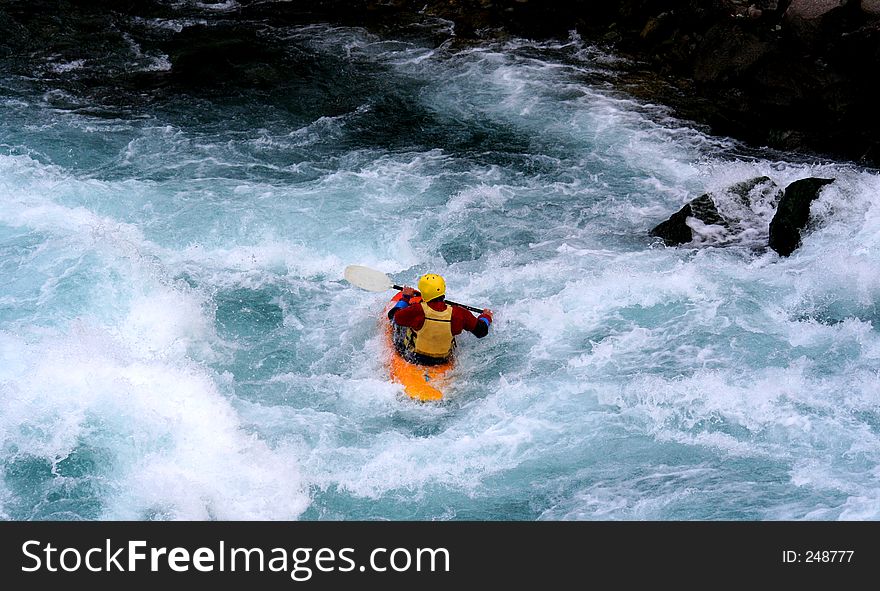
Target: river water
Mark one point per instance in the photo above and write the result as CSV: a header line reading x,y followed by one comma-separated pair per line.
x,y
177,341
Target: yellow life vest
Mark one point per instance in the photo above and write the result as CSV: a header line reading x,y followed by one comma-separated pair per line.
x,y
434,339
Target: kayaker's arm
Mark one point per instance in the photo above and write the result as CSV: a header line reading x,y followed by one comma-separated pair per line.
x,y
401,304
484,320
405,294
409,315
477,325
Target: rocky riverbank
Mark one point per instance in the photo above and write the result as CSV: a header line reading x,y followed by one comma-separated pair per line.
x,y
788,74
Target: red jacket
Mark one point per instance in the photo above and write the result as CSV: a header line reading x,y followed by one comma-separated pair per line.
x,y
414,317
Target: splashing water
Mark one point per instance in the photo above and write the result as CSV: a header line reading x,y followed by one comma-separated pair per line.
x,y
177,342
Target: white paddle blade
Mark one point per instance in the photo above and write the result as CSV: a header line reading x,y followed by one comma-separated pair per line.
x,y
367,278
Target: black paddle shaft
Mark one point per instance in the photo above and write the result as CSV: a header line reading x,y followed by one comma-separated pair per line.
x,y
451,303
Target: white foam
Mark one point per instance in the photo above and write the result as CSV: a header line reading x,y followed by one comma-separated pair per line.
x,y
494,439
226,6
155,417
175,25
66,66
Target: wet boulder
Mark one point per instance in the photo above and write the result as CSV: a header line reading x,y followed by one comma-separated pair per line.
x,y
871,8
676,229
792,214
807,18
812,9
728,52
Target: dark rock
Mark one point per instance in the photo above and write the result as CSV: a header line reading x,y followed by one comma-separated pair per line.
x,y
675,230
703,208
809,20
792,214
812,9
14,35
727,52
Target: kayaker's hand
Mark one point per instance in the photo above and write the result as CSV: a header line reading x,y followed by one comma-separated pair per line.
x,y
487,314
407,292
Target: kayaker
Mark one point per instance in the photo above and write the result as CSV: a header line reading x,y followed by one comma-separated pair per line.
x,y
425,326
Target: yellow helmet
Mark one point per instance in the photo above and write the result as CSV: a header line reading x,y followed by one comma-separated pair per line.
x,y
431,287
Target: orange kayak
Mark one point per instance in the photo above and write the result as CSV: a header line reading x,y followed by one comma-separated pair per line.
x,y
420,382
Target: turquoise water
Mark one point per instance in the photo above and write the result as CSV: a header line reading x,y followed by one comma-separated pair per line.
x,y
177,341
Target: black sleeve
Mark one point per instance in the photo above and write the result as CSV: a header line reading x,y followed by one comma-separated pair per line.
x,y
481,329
